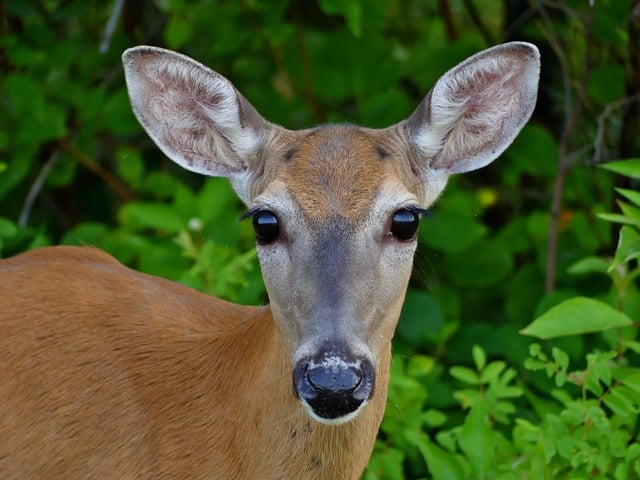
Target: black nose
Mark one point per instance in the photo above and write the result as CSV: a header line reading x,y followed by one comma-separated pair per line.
x,y
334,387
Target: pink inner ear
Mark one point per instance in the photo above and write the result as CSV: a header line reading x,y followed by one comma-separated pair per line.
x,y
191,112
477,109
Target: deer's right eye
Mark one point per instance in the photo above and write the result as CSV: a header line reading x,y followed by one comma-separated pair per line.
x,y
265,224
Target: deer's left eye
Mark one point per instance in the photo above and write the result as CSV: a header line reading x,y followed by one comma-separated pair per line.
x,y
404,224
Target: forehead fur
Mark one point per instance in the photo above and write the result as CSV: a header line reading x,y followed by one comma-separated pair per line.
x,y
336,170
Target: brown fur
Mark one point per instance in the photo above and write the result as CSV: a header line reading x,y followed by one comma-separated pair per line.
x,y
117,374
334,167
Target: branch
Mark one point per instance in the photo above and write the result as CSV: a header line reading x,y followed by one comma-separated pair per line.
x,y
477,21
34,191
573,111
111,26
86,161
447,19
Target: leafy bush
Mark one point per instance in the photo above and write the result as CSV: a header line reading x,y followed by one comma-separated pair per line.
x,y
515,352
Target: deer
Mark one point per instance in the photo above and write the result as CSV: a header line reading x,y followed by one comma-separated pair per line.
x,y
112,373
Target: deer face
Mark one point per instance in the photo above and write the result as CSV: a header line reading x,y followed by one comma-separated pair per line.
x,y
336,208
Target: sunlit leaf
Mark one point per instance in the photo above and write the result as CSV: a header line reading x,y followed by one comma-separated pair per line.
x,y
576,316
628,168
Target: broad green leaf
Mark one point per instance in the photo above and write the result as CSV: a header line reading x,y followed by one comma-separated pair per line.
x,y
576,316
628,168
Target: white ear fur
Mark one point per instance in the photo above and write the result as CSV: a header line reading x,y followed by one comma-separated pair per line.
x,y
476,109
193,114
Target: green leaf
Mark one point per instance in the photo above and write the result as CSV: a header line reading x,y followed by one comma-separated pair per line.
x,y
138,215
628,246
420,365
129,164
492,372
421,318
621,400
440,463
477,440
576,316
589,265
632,195
479,357
630,212
628,168
178,31
617,218
7,228
351,10
451,232
465,375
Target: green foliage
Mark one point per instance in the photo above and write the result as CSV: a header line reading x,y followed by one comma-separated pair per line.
x,y
514,356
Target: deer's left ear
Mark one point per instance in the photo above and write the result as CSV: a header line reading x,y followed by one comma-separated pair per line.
x,y
475,110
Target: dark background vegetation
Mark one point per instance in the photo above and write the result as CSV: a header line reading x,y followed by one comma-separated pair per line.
x,y
470,396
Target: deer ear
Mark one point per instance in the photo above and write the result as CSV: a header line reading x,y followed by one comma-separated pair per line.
x,y
475,110
193,114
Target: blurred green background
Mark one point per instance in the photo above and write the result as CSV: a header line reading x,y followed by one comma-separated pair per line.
x,y
529,239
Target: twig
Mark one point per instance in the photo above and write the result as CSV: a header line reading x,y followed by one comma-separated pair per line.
x,y
91,165
447,18
477,21
111,26
573,111
34,191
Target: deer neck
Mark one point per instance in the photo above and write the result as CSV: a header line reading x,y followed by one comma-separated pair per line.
x,y
284,441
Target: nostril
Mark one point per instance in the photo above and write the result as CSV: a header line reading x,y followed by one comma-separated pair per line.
x,y
334,380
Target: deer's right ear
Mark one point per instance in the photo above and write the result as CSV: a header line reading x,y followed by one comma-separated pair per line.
x,y
196,116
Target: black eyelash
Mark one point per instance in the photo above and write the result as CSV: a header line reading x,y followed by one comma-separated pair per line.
x,y
421,212
250,213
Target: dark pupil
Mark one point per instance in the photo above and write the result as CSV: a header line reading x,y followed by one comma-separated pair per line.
x,y
404,224
265,224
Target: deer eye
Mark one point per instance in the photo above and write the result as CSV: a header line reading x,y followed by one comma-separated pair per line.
x,y
404,223
265,225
